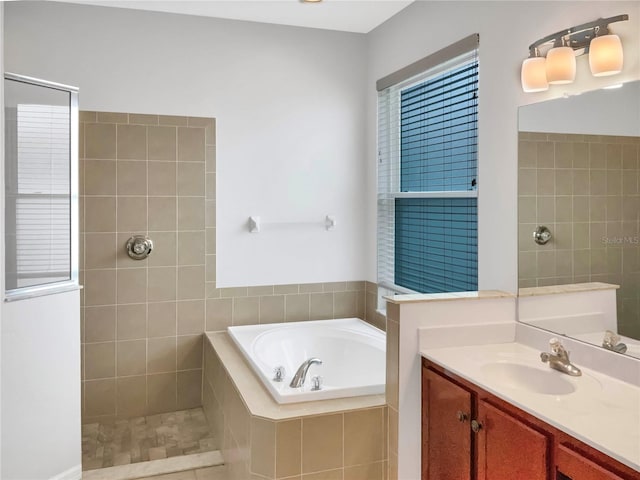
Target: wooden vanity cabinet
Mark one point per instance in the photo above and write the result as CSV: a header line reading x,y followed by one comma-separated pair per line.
x,y
470,434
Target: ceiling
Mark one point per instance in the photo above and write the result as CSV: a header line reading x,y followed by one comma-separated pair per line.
x,y
359,16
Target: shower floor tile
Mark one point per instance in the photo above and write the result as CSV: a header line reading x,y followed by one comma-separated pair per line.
x,y
140,439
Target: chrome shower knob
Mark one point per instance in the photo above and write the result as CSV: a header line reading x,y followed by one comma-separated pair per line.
x,y
542,235
139,247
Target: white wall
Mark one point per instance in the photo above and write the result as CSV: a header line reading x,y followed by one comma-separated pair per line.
x,y
601,112
40,433
506,29
41,436
290,106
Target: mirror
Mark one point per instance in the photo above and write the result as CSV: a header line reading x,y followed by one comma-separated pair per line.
x,y
578,176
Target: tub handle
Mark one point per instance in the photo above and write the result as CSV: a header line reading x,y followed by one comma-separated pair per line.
x,y
278,374
316,383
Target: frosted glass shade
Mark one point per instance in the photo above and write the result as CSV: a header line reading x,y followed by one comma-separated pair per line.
x,y
561,65
534,75
605,55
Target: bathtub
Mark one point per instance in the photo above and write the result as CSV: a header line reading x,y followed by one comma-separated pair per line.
x,y
353,355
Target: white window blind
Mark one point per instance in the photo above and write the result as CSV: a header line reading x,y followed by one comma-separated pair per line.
x,y
39,196
427,175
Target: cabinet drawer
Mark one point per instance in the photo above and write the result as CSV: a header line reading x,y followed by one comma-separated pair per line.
x,y
576,467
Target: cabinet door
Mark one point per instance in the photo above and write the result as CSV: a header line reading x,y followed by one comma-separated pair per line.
x,y
446,435
509,449
573,466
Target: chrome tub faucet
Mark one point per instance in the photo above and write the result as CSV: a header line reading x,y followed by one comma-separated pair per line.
x,y
558,359
301,374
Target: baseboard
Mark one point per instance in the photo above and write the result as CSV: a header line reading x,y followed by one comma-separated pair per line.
x,y
74,473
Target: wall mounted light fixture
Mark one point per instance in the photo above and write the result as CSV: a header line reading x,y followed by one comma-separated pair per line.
x,y
559,66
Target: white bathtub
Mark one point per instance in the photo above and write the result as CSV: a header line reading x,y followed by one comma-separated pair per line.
x,y
352,353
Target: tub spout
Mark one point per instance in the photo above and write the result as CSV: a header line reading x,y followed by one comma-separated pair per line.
x,y
301,374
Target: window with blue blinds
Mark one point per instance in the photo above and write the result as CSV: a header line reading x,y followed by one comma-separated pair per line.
x,y
427,179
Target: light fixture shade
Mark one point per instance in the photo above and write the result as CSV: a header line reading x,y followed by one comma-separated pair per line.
x,y
605,55
561,65
534,75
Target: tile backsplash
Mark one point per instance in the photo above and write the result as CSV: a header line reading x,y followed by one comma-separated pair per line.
x,y
143,320
585,189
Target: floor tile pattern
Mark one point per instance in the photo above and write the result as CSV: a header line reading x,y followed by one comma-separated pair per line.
x,y
141,439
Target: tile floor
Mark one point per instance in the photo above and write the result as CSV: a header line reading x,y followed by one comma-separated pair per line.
x,y
140,439
211,473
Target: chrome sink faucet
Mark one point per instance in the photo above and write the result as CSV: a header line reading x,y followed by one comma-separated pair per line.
x,y
558,359
612,342
301,374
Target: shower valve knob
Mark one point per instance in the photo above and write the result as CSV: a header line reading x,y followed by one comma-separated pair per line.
x,y
139,247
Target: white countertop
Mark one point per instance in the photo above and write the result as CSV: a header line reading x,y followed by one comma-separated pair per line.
x,y
602,412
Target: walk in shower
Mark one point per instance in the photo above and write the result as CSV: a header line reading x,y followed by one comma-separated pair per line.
x,y
146,265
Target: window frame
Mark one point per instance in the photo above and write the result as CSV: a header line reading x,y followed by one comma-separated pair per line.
x,y
71,283
391,120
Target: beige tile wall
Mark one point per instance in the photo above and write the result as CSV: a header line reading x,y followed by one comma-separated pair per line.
x,y
289,303
393,343
585,189
143,320
347,445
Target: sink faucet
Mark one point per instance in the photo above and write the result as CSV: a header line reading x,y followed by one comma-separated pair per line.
x,y
301,374
558,359
612,342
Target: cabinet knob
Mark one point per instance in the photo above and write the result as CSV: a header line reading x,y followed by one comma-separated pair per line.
x,y
461,416
476,426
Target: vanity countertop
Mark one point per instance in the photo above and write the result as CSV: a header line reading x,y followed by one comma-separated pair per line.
x,y
603,412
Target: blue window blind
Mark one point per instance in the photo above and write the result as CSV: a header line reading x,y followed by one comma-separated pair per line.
x,y
427,180
436,244
438,130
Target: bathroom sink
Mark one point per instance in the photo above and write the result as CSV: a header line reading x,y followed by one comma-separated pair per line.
x,y
530,379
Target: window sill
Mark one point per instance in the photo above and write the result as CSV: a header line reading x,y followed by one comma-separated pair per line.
x,y
40,291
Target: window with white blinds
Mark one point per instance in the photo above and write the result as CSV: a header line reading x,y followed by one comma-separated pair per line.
x,y
38,187
427,174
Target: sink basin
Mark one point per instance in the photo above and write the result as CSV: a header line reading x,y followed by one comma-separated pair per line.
x,y
530,379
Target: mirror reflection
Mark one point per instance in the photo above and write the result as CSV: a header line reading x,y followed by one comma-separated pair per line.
x,y
579,203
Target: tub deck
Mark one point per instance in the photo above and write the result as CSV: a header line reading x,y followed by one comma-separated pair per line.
x,y
259,401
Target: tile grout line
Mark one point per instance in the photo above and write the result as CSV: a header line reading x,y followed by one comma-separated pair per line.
x,y
115,400
177,252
